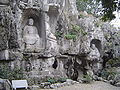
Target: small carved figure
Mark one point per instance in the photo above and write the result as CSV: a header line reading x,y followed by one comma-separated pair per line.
x,y
28,67
95,58
94,54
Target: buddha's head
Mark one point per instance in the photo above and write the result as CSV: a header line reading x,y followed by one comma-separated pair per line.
x,y
30,21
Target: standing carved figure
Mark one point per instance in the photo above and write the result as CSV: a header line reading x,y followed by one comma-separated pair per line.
x,y
95,59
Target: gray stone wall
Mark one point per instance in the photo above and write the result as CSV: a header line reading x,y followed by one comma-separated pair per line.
x,y
56,43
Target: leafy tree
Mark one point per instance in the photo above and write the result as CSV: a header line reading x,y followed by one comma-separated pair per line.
x,y
109,6
89,6
7,73
107,9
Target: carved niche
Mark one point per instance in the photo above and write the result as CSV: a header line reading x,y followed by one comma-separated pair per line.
x,y
33,32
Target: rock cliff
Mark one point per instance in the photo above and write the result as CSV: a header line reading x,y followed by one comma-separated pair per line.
x,y
49,38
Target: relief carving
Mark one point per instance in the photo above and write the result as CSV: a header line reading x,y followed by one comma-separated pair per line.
x,y
31,38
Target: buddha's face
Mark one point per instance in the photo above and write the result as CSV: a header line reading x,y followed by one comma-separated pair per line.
x,y
31,21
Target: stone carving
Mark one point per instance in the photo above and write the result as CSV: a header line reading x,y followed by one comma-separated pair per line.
x,y
31,38
28,67
94,57
40,43
94,54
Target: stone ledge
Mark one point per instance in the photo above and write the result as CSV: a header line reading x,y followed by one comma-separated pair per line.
x,y
4,2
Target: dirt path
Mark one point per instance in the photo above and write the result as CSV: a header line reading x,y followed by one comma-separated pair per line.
x,y
94,86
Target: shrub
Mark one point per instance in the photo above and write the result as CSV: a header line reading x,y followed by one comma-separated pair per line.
x,y
7,73
74,31
81,16
108,74
30,81
58,34
114,62
54,80
111,74
87,78
61,80
69,36
51,80
77,30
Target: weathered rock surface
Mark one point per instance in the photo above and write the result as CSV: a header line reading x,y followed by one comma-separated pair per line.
x,y
118,84
94,86
48,85
5,84
47,39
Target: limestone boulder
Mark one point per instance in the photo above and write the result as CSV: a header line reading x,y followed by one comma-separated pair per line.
x,y
4,2
5,84
117,84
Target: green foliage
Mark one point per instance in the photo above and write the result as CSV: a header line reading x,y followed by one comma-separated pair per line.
x,y
81,16
61,80
87,78
75,27
74,32
113,62
108,74
26,57
7,73
109,8
54,80
97,23
108,16
69,36
117,77
90,6
58,34
93,7
83,32
30,81
81,5
51,80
